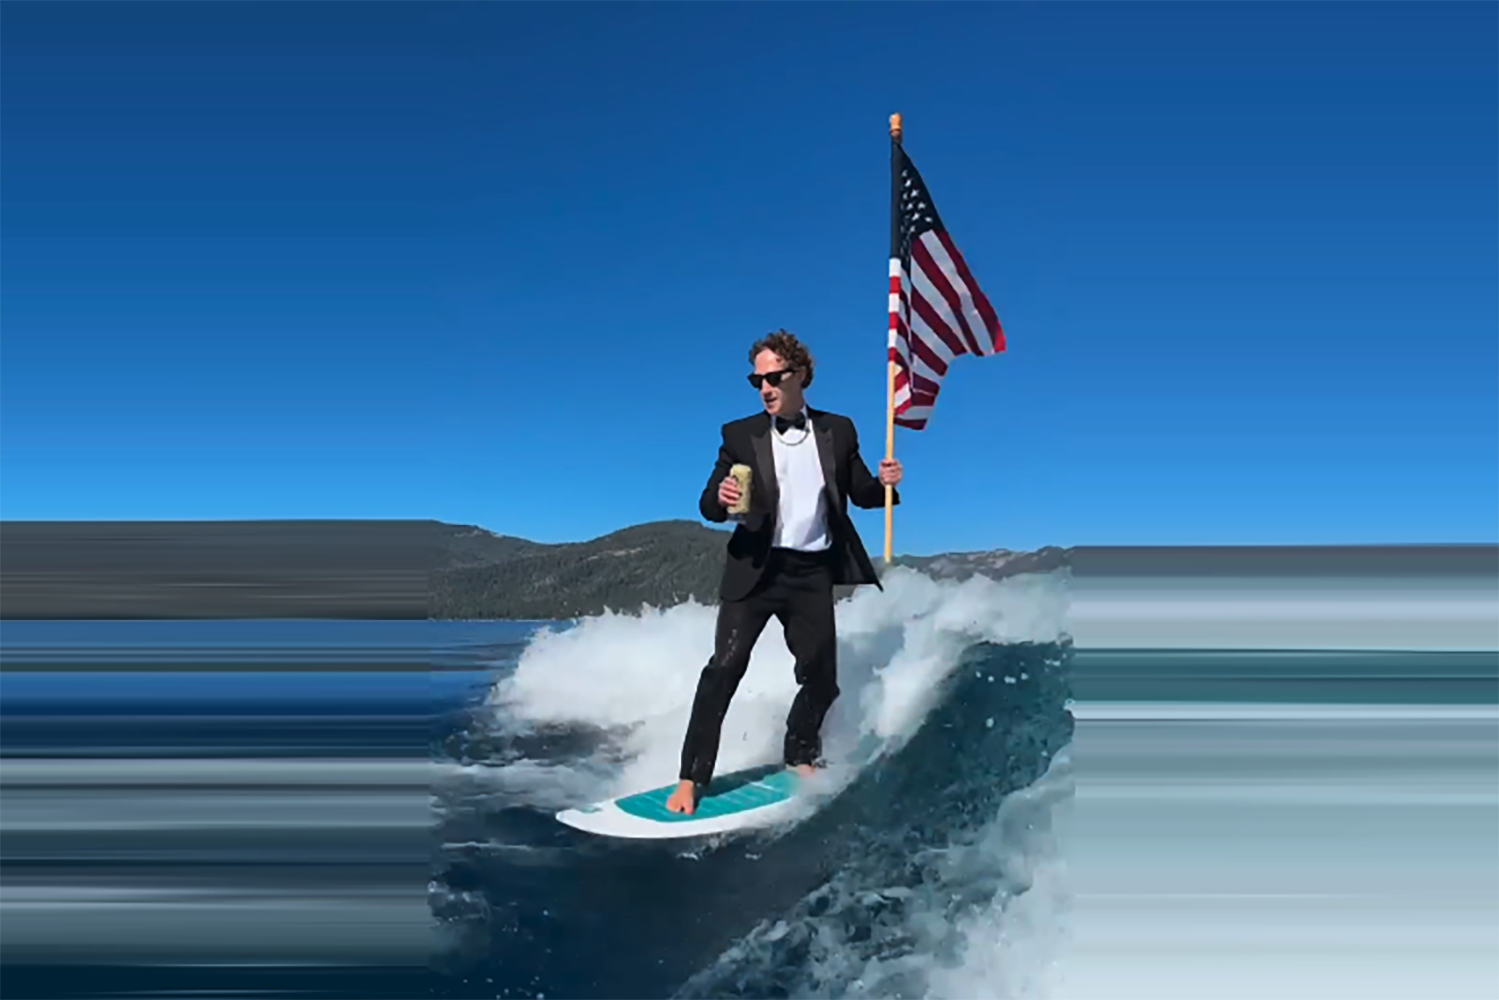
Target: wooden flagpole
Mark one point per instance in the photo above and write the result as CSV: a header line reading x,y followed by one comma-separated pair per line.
x,y
890,368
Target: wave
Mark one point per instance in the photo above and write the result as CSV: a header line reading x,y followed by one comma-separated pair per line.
x,y
932,872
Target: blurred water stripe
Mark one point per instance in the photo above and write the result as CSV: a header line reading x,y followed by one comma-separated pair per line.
x,y
1287,774
1412,598
194,807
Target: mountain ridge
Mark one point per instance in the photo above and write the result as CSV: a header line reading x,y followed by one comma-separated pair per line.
x,y
657,563
372,569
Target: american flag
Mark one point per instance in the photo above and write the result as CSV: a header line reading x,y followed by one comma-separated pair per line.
x,y
937,311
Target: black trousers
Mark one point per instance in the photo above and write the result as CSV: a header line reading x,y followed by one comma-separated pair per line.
x,y
796,589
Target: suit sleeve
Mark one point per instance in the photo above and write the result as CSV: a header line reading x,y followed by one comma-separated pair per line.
x,y
864,488
708,504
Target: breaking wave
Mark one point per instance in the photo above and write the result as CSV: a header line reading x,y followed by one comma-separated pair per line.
x,y
933,872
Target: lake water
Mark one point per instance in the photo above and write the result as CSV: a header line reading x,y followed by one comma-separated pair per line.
x,y
365,809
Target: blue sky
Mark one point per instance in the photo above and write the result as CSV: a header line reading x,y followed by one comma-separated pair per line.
x,y
500,264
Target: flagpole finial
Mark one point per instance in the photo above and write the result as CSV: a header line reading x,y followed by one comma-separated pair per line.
x,y
895,128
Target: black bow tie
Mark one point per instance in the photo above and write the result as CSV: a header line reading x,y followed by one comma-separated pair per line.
x,y
782,423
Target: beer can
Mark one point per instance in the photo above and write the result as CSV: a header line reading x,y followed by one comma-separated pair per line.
x,y
742,475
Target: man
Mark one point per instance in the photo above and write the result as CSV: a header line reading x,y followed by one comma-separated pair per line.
x,y
786,554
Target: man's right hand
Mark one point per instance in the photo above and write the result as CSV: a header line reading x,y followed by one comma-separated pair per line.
x,y
728,491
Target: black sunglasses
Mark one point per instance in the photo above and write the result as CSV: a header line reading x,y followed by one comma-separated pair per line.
x,y
774,378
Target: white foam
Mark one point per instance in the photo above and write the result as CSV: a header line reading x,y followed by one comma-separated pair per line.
x,y
638,672
937,621
1014,946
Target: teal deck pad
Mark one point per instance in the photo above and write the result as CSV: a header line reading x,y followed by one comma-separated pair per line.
x,y
727,794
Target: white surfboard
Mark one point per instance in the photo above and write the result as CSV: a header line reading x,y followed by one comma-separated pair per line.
x,y
737,800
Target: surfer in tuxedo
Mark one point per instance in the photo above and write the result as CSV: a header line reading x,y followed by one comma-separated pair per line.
x,y
785,555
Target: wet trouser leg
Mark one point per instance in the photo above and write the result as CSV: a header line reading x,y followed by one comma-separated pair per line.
x,y
806,614
797,590
739,625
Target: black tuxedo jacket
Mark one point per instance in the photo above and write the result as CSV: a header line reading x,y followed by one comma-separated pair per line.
x,y
846,480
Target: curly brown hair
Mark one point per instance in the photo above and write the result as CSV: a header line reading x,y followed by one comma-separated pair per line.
x,y
784,345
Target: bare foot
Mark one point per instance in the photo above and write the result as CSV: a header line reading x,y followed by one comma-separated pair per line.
x,y
683,800
804,770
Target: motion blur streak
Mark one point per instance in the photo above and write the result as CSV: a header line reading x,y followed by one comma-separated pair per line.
x,y
215,756
198,806
218,795
1287,773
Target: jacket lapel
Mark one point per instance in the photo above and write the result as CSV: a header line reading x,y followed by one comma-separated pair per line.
x,y
825,454
765,460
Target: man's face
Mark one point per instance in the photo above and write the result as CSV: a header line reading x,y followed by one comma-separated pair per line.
x,y
783,399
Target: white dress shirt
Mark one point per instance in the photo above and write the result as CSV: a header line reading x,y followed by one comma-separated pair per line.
x,y
802,511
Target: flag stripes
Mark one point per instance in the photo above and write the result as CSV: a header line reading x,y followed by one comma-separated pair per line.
x,y
937,310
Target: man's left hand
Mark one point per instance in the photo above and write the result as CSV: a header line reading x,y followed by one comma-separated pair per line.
x,y
890,472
